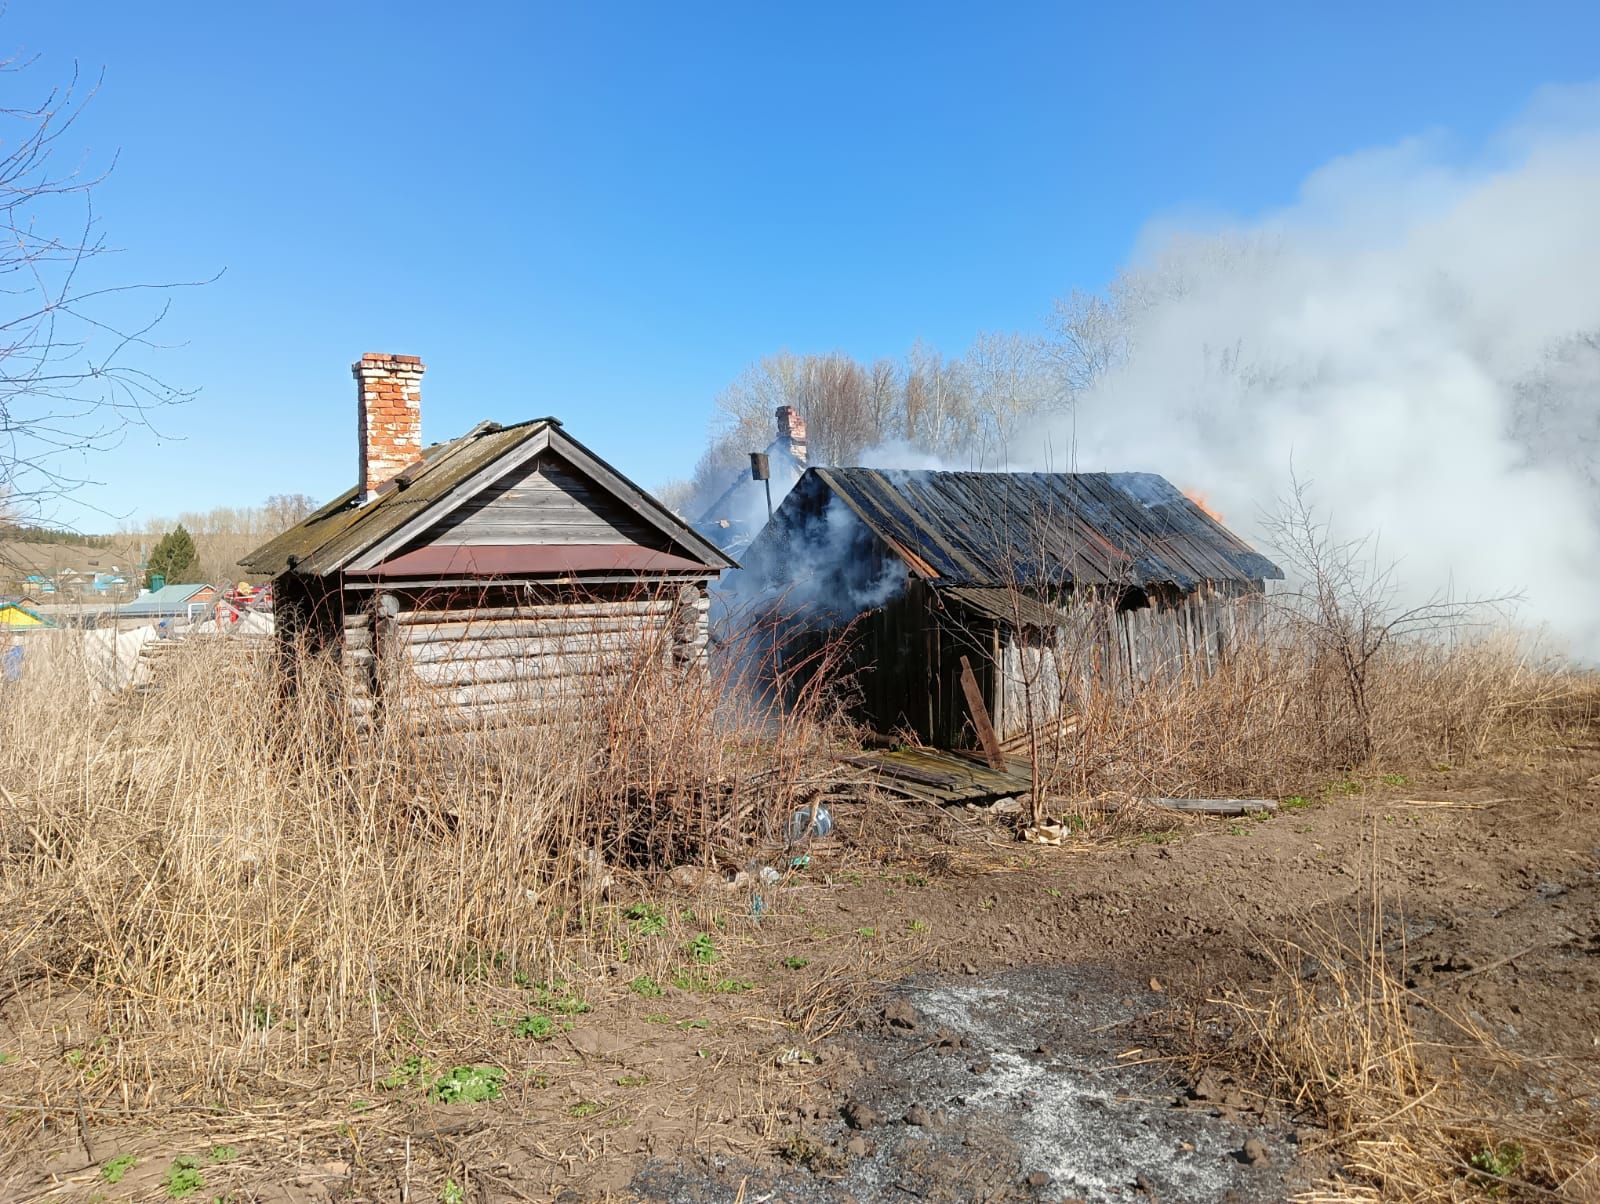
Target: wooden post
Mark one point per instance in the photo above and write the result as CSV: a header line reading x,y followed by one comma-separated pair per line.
x,y
980,717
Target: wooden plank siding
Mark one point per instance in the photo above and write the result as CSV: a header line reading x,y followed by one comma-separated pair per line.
x,y
420,650
542,502
902,661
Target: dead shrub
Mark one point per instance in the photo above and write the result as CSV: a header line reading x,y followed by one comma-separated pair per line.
x,y
1335,1037
230,879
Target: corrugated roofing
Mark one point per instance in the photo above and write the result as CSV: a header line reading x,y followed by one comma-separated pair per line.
x,y
345,528
168,600
1007,528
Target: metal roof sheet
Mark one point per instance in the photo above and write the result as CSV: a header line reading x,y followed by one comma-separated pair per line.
x,y
1007,528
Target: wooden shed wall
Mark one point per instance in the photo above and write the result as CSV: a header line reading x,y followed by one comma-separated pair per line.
x,y
458,656
904,658
1118,650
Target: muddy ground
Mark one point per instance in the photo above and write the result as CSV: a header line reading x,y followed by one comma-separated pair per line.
x,y
930,1010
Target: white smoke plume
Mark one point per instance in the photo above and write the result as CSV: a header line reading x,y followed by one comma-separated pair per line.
x,y
1418,336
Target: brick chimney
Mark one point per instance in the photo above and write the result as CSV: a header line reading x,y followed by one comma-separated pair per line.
x,y
792,431
388,416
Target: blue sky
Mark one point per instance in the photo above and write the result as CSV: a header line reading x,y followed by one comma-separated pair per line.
x,y
604,212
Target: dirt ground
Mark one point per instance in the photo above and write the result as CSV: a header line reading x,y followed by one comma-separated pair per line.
x,y
930,1010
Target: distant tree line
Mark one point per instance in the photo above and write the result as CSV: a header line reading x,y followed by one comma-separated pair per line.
x,y
29,533
219,536
964,412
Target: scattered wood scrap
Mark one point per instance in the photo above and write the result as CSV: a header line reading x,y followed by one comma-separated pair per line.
x,y
934,776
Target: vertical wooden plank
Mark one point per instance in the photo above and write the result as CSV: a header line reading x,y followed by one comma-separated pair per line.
x,y
980,717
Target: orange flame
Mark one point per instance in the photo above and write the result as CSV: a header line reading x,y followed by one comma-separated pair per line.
x,y
1199,499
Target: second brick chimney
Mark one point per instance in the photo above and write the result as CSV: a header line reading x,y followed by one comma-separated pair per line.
x,y
792,431
388,416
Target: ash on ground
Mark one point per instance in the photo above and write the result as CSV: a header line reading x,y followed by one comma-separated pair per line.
x,y
1027,1084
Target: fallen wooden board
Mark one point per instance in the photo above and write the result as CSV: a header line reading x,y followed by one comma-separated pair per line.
x,y
936,776
1215,806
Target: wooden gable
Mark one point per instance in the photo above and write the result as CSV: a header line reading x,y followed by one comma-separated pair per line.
x,y
543,502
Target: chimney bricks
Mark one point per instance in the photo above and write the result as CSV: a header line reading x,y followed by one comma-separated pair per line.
x,y
792,431
388,416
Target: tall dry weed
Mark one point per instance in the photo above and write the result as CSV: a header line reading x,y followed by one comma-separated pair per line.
x,y
1339,1039
227,878
1273,716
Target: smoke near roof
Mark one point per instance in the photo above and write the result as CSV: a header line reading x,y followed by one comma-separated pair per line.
x,y
1417,335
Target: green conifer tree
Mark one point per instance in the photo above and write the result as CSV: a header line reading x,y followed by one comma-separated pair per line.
x,y
173,558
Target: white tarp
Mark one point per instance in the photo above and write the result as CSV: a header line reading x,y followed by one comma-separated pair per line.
x,y
113,656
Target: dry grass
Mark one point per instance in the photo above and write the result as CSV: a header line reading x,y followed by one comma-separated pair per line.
x,y
1274,718
218,885
216,891
1338,1038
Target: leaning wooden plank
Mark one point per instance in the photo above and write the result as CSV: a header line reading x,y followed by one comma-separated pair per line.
x,y
1215,806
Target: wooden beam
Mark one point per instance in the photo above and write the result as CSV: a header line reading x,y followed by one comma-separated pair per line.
x,y
1216,806
980,717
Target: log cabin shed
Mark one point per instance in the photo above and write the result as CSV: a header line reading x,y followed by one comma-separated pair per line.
x,y
1056,583
487,572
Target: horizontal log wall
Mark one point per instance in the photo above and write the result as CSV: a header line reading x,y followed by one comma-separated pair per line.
x,y
535,660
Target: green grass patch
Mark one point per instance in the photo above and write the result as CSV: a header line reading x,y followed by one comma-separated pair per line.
x,y
1295,802
1502,1161
411,1070
535,1026
633,1080
183,1178
468,1085
646,987
585,1108
559,997
703,949
646,919
222,1153
114,1170
796,963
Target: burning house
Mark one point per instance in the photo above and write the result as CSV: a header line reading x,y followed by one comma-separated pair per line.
x,y
1046,584
509,567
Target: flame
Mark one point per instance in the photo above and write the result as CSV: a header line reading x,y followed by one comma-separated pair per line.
x,y
1199,499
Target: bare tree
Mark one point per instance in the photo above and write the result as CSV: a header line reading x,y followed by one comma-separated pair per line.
x,y
283,510
1345,604
67,386
1012,379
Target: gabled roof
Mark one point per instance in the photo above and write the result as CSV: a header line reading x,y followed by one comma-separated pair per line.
x,y
1005,528
23,608
168,600
346,533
